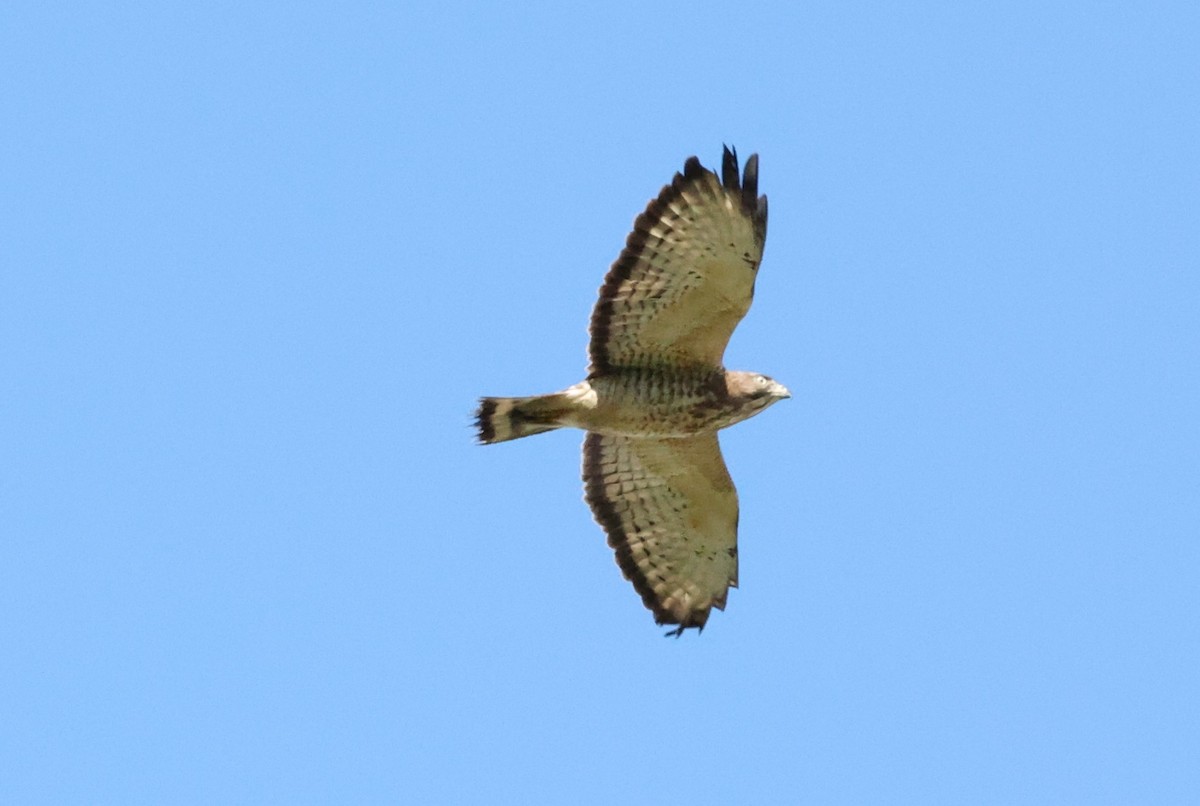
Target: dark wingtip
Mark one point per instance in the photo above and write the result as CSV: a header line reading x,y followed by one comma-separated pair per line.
x,y
746,186
688,624
729,168
750,183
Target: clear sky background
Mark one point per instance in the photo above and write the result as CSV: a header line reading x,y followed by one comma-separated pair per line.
x,y
258,261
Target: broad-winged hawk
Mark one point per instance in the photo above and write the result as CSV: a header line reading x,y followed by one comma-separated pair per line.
x,y
657,391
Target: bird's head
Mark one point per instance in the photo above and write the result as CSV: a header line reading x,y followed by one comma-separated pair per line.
x,y
755,391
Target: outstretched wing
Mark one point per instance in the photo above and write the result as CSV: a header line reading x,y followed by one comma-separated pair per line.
x,y
686,275
670,511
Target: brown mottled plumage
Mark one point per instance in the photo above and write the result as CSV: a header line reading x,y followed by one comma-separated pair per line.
x,y
657,391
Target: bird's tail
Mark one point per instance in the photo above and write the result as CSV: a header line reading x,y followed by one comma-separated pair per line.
x,y
500,419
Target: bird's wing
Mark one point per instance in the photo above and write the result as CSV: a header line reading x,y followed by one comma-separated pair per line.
x,y
686,275
670,511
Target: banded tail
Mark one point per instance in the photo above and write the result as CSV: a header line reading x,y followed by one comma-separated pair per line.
x,y
500,419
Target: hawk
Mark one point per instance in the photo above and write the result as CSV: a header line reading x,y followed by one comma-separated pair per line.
x,y
657,391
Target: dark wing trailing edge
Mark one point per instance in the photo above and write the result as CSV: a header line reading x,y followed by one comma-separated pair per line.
x,y
686,275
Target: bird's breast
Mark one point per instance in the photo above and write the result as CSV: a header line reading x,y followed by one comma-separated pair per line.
x,y
660,403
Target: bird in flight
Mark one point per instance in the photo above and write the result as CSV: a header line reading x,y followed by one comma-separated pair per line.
x,y
657,391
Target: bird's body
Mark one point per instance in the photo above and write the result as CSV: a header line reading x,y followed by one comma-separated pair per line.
x,y
660,403
657,391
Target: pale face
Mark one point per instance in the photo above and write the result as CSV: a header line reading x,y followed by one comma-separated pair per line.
x,y
751,386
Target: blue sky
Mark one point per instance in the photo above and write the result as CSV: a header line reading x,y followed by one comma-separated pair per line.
x,y
258,261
